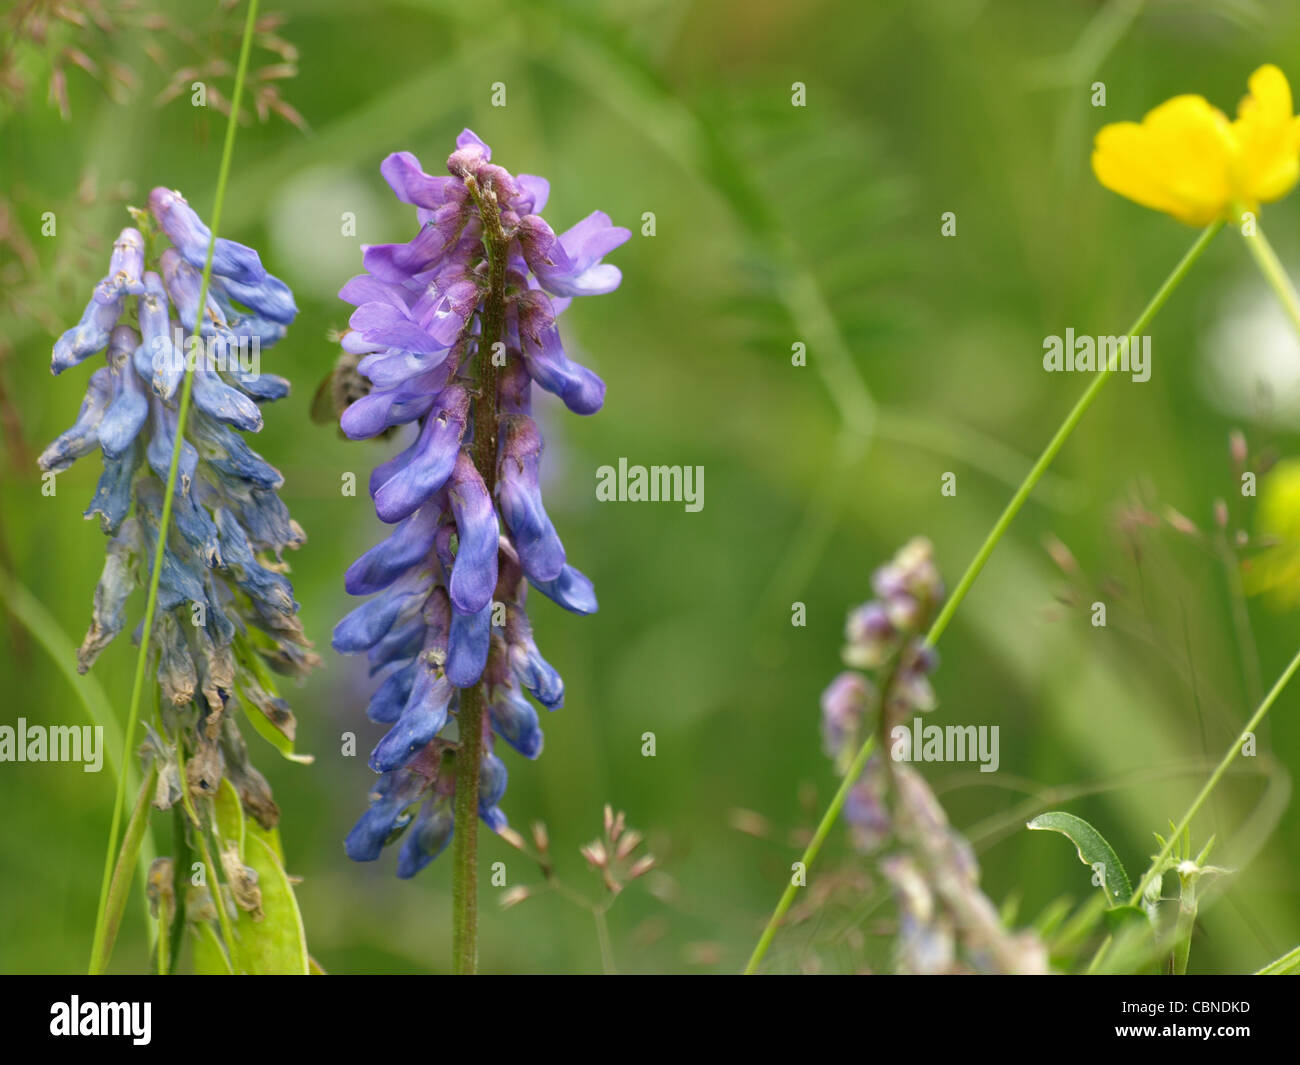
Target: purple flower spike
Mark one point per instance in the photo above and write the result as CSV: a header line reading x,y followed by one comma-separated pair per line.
x,y
470,539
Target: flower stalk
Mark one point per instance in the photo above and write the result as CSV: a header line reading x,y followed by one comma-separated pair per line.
x,y
464,885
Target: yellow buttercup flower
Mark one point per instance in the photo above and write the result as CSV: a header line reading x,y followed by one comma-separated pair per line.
x,y
1187,159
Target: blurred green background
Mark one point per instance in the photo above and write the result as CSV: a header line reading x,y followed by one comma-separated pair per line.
x,y
775,225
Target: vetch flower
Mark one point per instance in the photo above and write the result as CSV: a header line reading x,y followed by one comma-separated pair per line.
x,y
1188,159
226,613
946,924
450,583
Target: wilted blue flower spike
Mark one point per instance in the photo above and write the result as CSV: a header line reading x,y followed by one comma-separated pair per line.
x,y
450,581
223,601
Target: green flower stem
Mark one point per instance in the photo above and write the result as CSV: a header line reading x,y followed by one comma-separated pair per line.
x,y
98,955
1215,777
977,564
1063,433
1271,267
810,853
464,841
120,885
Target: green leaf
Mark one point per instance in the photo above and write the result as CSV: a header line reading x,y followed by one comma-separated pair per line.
x,y
261,724
229,820
209,956
277,943
1092,848
1287,965
273,735
269,836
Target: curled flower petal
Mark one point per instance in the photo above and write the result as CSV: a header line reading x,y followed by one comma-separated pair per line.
x,y
467,646
582,391
515,721
474,575
538,545
91,333
571,589
422,718
432,462
412,185
191,237
384,563
428,837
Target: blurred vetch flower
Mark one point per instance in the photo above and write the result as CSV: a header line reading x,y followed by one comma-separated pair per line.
x,y
1187,159
945,922
1275,572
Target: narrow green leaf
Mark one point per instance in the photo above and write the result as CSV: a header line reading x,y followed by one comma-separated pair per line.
x,y
1287,965
272,735
120,885
1092,849
209,956
229,815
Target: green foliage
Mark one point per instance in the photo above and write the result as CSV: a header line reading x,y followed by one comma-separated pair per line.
x,y
1093,851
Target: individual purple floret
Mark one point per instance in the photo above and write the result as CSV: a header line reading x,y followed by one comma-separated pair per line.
x,y
450,581
226,610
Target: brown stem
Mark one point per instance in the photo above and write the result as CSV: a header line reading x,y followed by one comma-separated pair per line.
x,y
470,716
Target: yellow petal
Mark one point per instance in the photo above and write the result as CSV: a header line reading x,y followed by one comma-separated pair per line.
x,y
1268,139
1177,160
